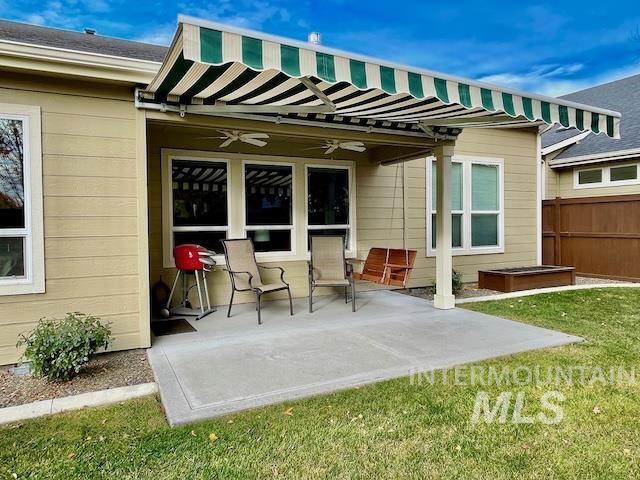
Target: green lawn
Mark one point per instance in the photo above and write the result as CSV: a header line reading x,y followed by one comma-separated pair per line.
x,y
388,430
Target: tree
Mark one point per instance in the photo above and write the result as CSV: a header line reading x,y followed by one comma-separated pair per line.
x,y
11,163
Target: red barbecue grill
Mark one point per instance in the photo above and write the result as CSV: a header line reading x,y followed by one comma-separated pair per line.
x,y
196,260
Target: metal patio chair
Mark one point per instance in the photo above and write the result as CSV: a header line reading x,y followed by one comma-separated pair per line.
x,y
328,267
244,273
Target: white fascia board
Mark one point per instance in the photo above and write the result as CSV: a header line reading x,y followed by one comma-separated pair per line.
x,y
564,143
73,62
594,158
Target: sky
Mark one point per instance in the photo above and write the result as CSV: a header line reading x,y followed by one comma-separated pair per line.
x,y
547,47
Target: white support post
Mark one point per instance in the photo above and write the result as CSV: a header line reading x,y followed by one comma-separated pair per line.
x,y
444,298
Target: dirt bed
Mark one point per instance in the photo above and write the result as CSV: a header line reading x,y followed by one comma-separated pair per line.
x,y
109,370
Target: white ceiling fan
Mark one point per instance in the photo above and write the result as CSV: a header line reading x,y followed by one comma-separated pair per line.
x,y
230,136
331,146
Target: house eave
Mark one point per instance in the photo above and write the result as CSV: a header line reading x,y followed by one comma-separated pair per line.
x,y
564,143
594,158
58,61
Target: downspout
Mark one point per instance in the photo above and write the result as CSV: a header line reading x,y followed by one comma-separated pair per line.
x,y
539,194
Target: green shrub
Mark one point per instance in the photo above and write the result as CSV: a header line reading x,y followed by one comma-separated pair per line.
x,y
57,349
456,282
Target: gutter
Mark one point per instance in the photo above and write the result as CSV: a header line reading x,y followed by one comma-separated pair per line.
x,y
595,158
44,59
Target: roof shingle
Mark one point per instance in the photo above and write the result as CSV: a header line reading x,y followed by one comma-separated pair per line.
x,y
622,96
66,39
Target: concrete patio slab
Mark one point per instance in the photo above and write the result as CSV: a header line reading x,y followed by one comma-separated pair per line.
x,y
232,364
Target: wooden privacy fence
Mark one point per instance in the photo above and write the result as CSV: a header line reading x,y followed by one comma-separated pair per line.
x,y
600,236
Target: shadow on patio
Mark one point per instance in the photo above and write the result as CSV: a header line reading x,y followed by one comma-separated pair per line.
x,y
230,364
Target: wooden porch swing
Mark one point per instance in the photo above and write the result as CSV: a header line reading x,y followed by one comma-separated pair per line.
x,y
390,266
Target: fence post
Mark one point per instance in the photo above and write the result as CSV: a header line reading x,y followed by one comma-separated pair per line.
x,y
557,255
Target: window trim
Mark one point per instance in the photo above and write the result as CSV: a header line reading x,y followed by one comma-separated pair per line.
x,y
606,176
33,231
168,229
349,167
243,205
467,210
235,184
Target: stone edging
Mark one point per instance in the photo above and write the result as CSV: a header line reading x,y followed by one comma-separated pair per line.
x,y
526,293
75,402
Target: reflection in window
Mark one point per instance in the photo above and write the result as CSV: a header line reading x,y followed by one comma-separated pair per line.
x,y
626,172
329,232
269,206
13,230
485,205
586,177
199,195
475,204
328,202
456,204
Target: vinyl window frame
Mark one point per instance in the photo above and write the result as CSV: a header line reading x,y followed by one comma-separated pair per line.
x,y
168,228
351,226
467,208
33,280
606,176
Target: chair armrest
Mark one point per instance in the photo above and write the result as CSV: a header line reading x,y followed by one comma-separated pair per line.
x,y
234,272
275,268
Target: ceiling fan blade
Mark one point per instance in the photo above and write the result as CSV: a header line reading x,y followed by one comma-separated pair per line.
x,y
331,149
210,138
253,141
354,148
227,142
254,135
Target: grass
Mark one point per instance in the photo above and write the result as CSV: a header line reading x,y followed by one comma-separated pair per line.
x,y
387,430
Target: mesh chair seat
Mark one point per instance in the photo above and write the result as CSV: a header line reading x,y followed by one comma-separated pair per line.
x,y
244,273
328,266
270,287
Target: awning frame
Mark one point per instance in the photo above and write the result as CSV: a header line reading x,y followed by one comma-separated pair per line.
x,y
422,96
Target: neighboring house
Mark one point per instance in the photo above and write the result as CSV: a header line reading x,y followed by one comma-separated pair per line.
x,y
597,179
112,154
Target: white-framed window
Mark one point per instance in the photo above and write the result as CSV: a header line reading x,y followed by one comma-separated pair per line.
x,y
268,199
21,218
330,197
607,176
196,202
477,205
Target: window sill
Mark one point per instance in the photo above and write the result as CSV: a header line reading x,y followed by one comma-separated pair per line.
x,y
20,287
470,252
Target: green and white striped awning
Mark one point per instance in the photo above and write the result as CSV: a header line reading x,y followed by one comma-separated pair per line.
x,y
213,68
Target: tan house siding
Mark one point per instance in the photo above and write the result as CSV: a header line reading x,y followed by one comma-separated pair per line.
x,y
90,189
565,189
379,215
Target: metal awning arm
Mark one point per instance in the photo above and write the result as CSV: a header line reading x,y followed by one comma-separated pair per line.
x,y
318,93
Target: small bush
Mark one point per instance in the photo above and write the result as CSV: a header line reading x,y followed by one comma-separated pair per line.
x,y
57,349
456,282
